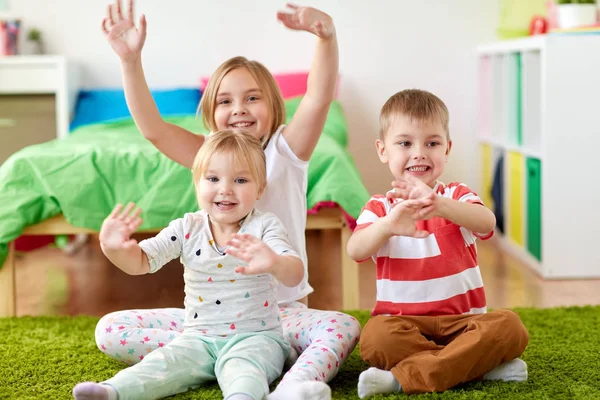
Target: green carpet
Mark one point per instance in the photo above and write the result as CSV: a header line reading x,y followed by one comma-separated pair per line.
x,y
44,357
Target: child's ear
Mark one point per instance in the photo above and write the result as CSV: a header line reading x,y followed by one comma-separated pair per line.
x,y
381,151
448,149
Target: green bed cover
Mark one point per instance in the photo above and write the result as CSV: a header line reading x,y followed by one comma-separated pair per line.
x,y
84,175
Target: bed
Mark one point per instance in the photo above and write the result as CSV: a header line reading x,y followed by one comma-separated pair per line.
x,y
68,186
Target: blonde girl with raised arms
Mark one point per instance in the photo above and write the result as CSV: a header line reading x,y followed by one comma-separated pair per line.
x,y
242,94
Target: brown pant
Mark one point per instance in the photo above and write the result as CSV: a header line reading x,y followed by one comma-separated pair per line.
x,y
432,354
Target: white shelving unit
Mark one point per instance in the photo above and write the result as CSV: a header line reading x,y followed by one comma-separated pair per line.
x,y
539,109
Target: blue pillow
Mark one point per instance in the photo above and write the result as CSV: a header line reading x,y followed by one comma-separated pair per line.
x,y
103,105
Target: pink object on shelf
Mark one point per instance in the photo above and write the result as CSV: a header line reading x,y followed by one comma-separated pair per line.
x,y
9,35
3,39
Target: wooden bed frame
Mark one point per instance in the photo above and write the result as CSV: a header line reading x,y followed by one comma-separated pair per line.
x,y
325,219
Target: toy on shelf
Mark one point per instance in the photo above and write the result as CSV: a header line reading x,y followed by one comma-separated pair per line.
x,y
9,37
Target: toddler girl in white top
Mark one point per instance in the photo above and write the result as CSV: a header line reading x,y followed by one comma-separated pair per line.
x,y
233,255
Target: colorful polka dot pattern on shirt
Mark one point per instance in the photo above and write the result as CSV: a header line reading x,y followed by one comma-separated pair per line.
x,y
215,293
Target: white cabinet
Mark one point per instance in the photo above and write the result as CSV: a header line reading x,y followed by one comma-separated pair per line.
x,y
37,99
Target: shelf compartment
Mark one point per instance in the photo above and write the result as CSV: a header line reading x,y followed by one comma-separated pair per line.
x,y
516,204
534,209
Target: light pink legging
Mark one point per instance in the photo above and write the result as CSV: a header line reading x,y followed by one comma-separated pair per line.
x,y
323,339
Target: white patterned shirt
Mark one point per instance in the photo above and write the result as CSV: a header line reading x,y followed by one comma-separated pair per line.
x,y
218,300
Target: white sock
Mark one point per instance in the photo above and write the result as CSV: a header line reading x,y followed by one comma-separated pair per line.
x,y
239,396
301,390
513,370
94,391
377,381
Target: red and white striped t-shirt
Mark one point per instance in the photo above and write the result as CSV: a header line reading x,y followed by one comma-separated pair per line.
x,y
436,275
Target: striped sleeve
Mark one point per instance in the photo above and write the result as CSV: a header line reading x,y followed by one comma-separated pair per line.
x,y
371,212
461,192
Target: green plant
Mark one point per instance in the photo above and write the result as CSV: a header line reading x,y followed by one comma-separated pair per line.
x,y
34,35
576,1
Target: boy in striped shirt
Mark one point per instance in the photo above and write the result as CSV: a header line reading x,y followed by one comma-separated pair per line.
x,y
429,329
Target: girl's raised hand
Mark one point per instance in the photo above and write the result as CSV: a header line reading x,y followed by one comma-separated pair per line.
x,y
307,19
255,252
118,227
124,37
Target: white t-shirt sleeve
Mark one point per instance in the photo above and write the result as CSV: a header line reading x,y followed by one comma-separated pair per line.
x,y
282,147
275,236
167,245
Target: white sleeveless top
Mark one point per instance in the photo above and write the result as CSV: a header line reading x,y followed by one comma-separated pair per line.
x,y
285,196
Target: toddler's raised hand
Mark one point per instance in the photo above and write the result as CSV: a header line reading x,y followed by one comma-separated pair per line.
x,y
255,252
307,19
118,227
120,31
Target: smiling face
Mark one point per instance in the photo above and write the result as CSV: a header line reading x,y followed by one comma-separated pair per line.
x,y
227,190
241,104
419,148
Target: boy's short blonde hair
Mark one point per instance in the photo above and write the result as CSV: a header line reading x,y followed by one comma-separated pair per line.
x,y
264,80
245,148
420,105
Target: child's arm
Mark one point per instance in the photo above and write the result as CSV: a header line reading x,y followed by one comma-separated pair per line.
x,y
261,259
304,130
399,222
366,242
116,242
475,217
273,254
127,41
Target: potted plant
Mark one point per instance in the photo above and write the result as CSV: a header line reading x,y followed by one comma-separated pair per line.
x,y
35,42
576,13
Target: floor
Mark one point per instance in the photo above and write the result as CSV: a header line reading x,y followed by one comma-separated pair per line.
x,y
51,282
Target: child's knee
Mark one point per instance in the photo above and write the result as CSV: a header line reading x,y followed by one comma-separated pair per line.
x,y
103,332
352,325
513,330
378,337
371,332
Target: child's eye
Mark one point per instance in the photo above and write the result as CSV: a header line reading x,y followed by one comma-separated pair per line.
x,y
212,179
404,143
432,144
253,98
224,101
241,180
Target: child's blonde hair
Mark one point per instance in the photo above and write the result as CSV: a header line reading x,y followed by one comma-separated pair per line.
x,y
420,105
266,83
245,149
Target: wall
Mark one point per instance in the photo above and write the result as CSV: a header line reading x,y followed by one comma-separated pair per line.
x,y
385,46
